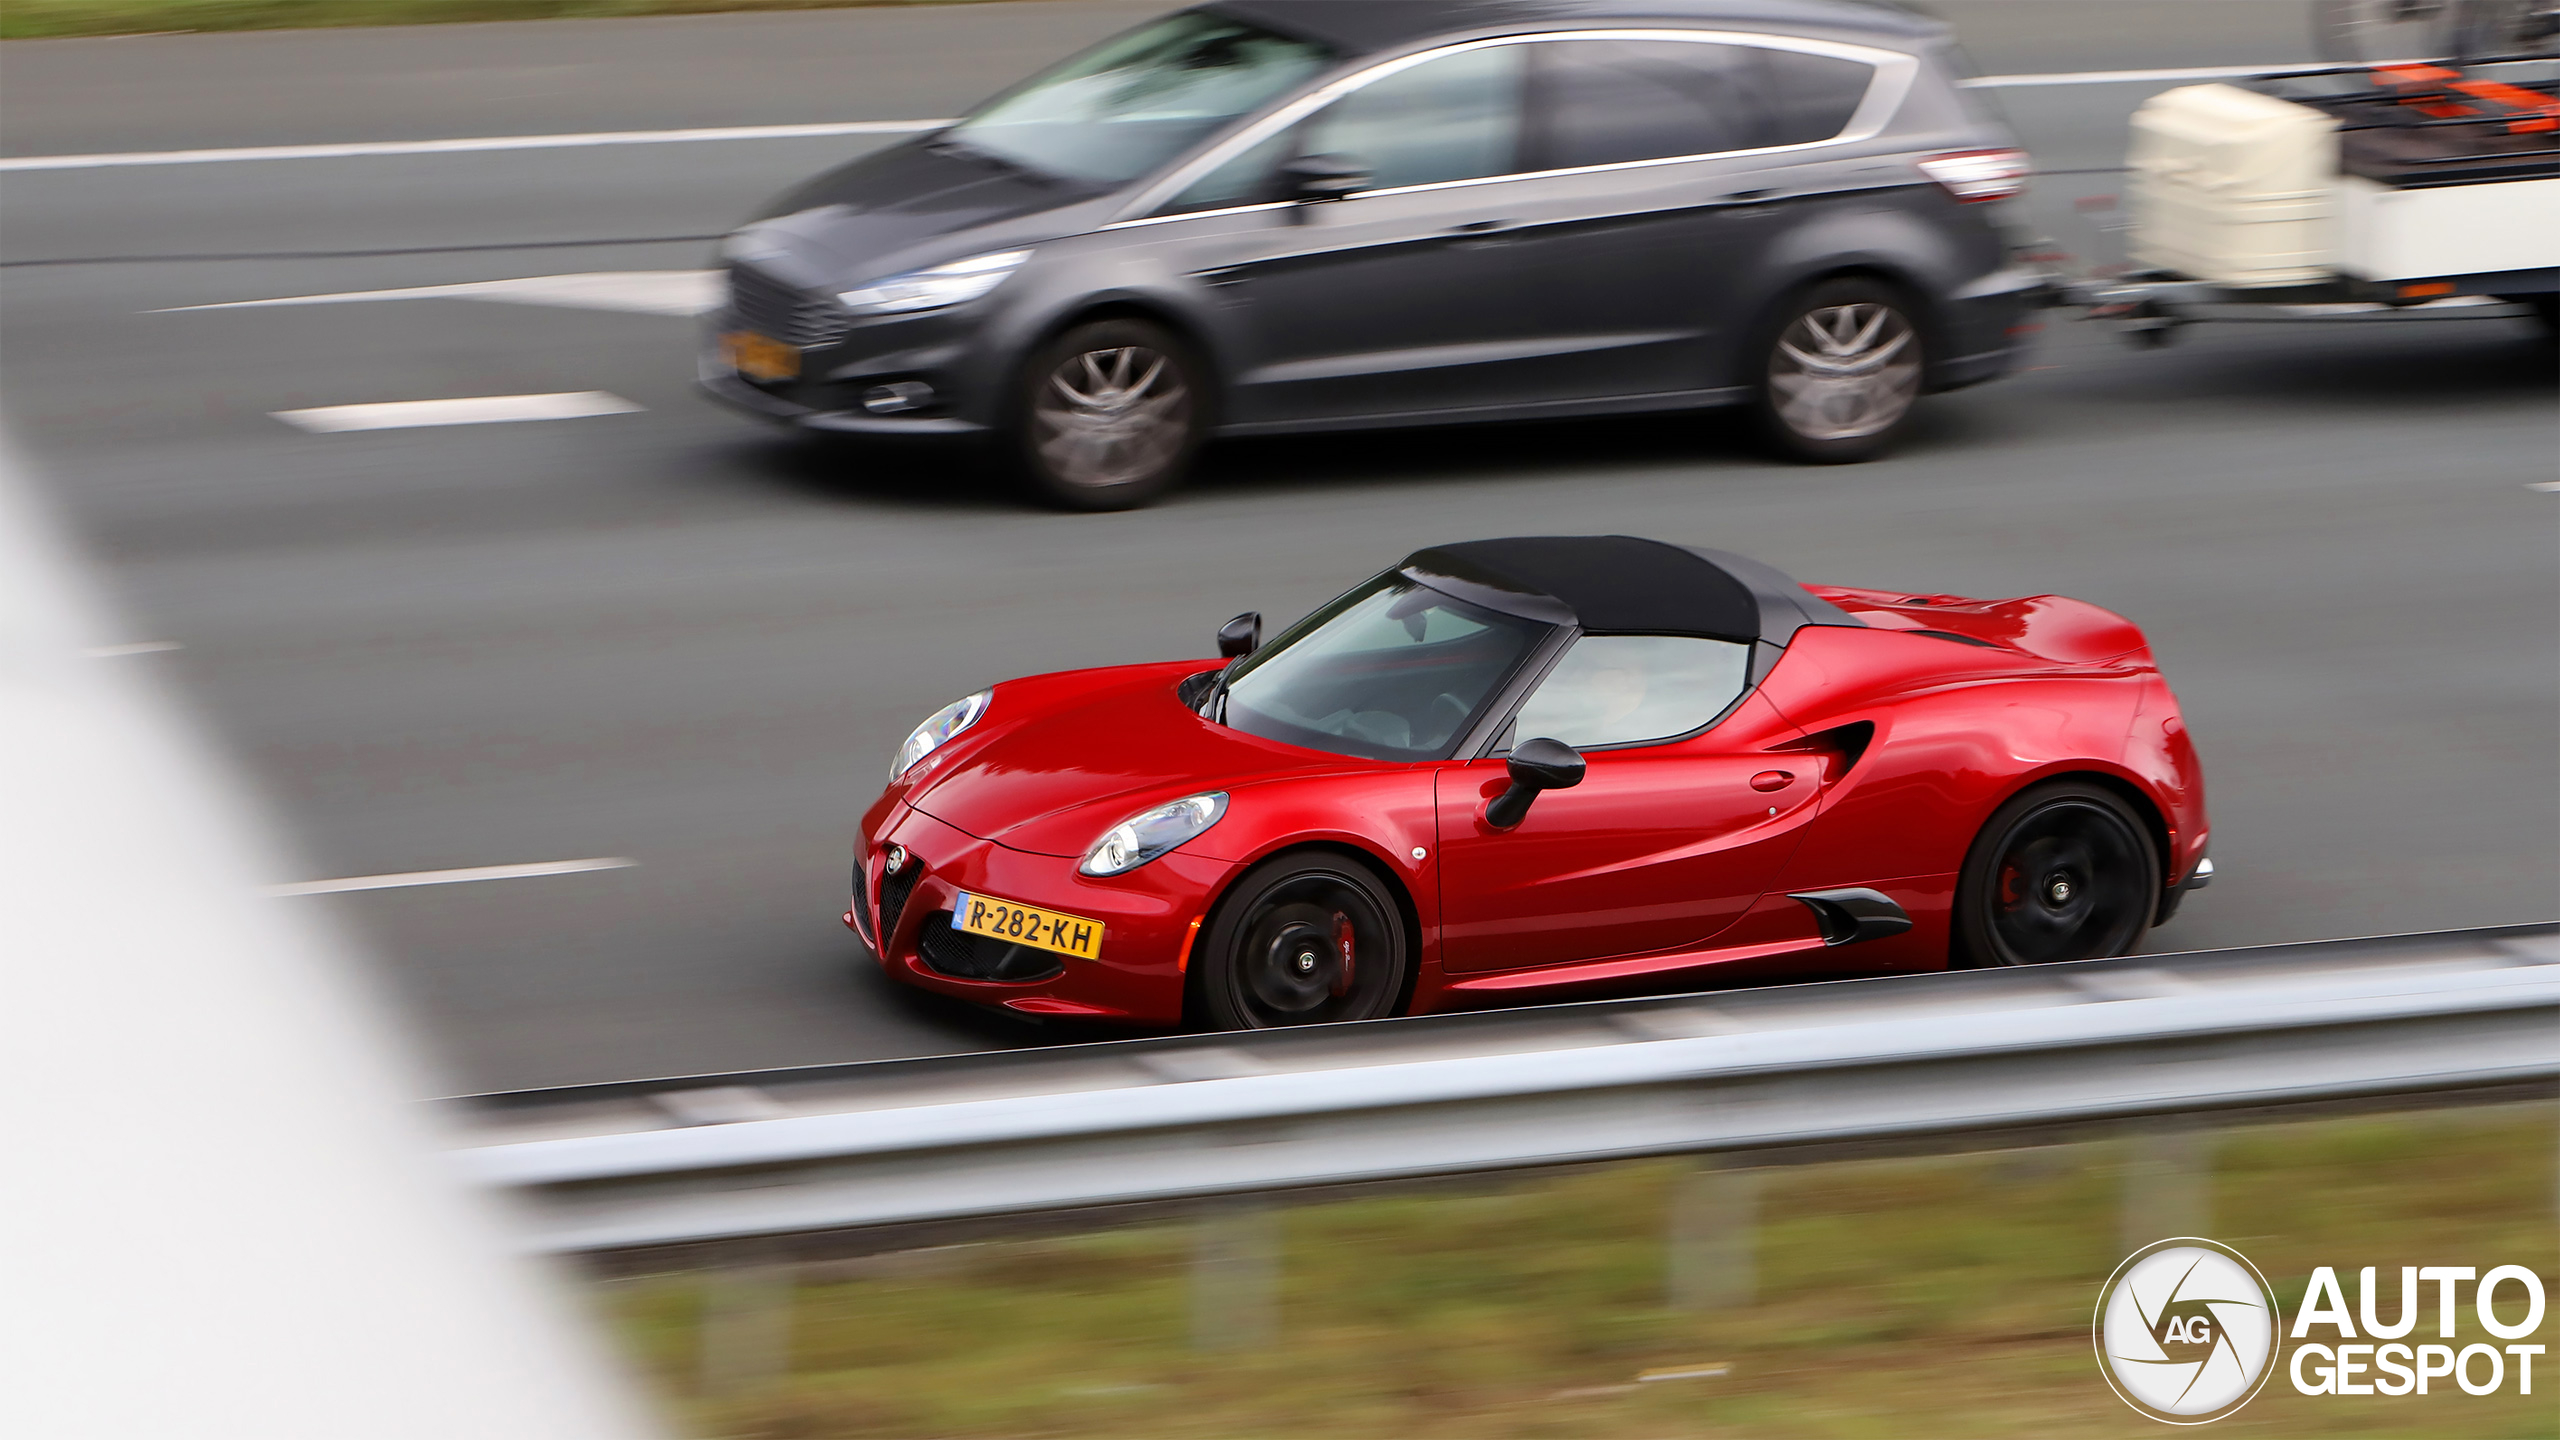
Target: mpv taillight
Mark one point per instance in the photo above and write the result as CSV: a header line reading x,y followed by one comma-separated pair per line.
x,y
1973,176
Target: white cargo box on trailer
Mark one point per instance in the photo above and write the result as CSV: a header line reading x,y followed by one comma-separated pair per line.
x,y
2244,191
2233,187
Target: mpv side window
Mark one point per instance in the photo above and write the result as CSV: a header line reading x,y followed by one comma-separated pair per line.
x,y
1606,102
1812,97
1454,118
1248,177
1623,689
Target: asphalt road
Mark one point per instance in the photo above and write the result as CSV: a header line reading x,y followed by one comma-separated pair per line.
x,y
676,637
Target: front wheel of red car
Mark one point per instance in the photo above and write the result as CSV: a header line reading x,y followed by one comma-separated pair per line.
x,y
2063,871
1302,939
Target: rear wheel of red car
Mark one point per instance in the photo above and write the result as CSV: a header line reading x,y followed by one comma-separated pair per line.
x,y
1302,939
2064,871
1109,415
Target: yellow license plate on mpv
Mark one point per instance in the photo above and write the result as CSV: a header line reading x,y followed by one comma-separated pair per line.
x,y
1027,925
760,357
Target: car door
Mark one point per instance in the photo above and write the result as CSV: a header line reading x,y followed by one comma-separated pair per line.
x,y
1405,295
1679,152
1680,824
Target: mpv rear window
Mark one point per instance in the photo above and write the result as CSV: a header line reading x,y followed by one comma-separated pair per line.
x,y
1812,97
1606,102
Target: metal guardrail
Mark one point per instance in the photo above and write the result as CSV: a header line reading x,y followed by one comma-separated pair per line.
x,y
1899,1059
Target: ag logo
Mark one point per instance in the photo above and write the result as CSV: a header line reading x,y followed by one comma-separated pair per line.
x,y
2186,1331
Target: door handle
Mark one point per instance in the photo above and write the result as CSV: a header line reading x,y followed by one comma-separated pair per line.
x,y
1768,780
1483,232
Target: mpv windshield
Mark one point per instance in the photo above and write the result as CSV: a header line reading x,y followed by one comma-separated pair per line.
x,y
1391,671
1128,105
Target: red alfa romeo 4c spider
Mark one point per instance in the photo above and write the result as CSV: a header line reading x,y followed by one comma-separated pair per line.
x,y
1540,767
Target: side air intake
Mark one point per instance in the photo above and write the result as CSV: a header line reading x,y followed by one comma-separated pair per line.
x,y
1846,917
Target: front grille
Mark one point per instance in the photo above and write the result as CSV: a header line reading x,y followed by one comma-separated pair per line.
x,y
765,305
964,956
893,900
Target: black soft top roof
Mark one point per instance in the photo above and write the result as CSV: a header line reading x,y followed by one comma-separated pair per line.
x,y
1359,27
1621,584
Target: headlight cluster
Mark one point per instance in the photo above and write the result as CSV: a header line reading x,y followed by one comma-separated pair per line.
x,y
944,723
1142,837
936,286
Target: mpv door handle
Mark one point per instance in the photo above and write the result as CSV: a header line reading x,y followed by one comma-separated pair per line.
x,y
1483,232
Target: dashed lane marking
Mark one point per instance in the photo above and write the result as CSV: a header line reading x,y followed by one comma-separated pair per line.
x,y
452,877
138,647
647,292
479,410
117,159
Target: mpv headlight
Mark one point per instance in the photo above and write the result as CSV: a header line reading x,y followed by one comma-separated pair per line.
x,y
934,287
944,723
1142,837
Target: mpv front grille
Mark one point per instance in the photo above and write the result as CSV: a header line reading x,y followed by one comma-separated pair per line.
x,y
765,305
964,956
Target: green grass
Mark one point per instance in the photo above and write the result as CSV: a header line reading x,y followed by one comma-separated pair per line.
x,y
48,19
1902,1299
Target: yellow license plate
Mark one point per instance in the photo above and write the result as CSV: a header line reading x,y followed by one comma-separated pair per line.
x,y
1027,925
760,357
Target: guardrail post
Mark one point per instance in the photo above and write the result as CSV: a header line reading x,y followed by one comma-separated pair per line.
x,y
1235,1276
1714,1224
2168,1186
746,1326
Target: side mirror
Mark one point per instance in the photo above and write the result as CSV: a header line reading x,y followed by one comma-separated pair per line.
x,y
1240,636
1535,765
1323,177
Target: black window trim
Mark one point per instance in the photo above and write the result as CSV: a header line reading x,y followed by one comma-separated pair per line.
x,y
1895,73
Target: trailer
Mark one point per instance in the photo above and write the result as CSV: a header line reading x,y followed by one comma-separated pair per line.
x,y
2406,191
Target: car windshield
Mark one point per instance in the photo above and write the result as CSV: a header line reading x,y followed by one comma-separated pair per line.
x,y
1129,105
1391,671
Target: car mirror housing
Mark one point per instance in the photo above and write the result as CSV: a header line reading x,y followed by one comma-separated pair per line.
x,y
1535,765
1324,177
1240,636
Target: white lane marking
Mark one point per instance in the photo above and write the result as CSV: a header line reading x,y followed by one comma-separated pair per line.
x,y
647,292
452,877
138,647
2547,487
477,410
2137,77
114,159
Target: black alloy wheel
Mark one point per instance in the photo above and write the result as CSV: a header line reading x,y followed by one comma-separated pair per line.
x,y
2063,871
1841,368
1109,415
1301,940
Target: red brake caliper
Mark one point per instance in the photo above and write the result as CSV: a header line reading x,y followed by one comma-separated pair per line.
x,y
1342,939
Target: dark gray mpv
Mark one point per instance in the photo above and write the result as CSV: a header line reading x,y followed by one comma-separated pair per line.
x,y
1265,216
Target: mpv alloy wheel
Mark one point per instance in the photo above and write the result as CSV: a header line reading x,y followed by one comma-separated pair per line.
x,y
1112,416
1843,372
